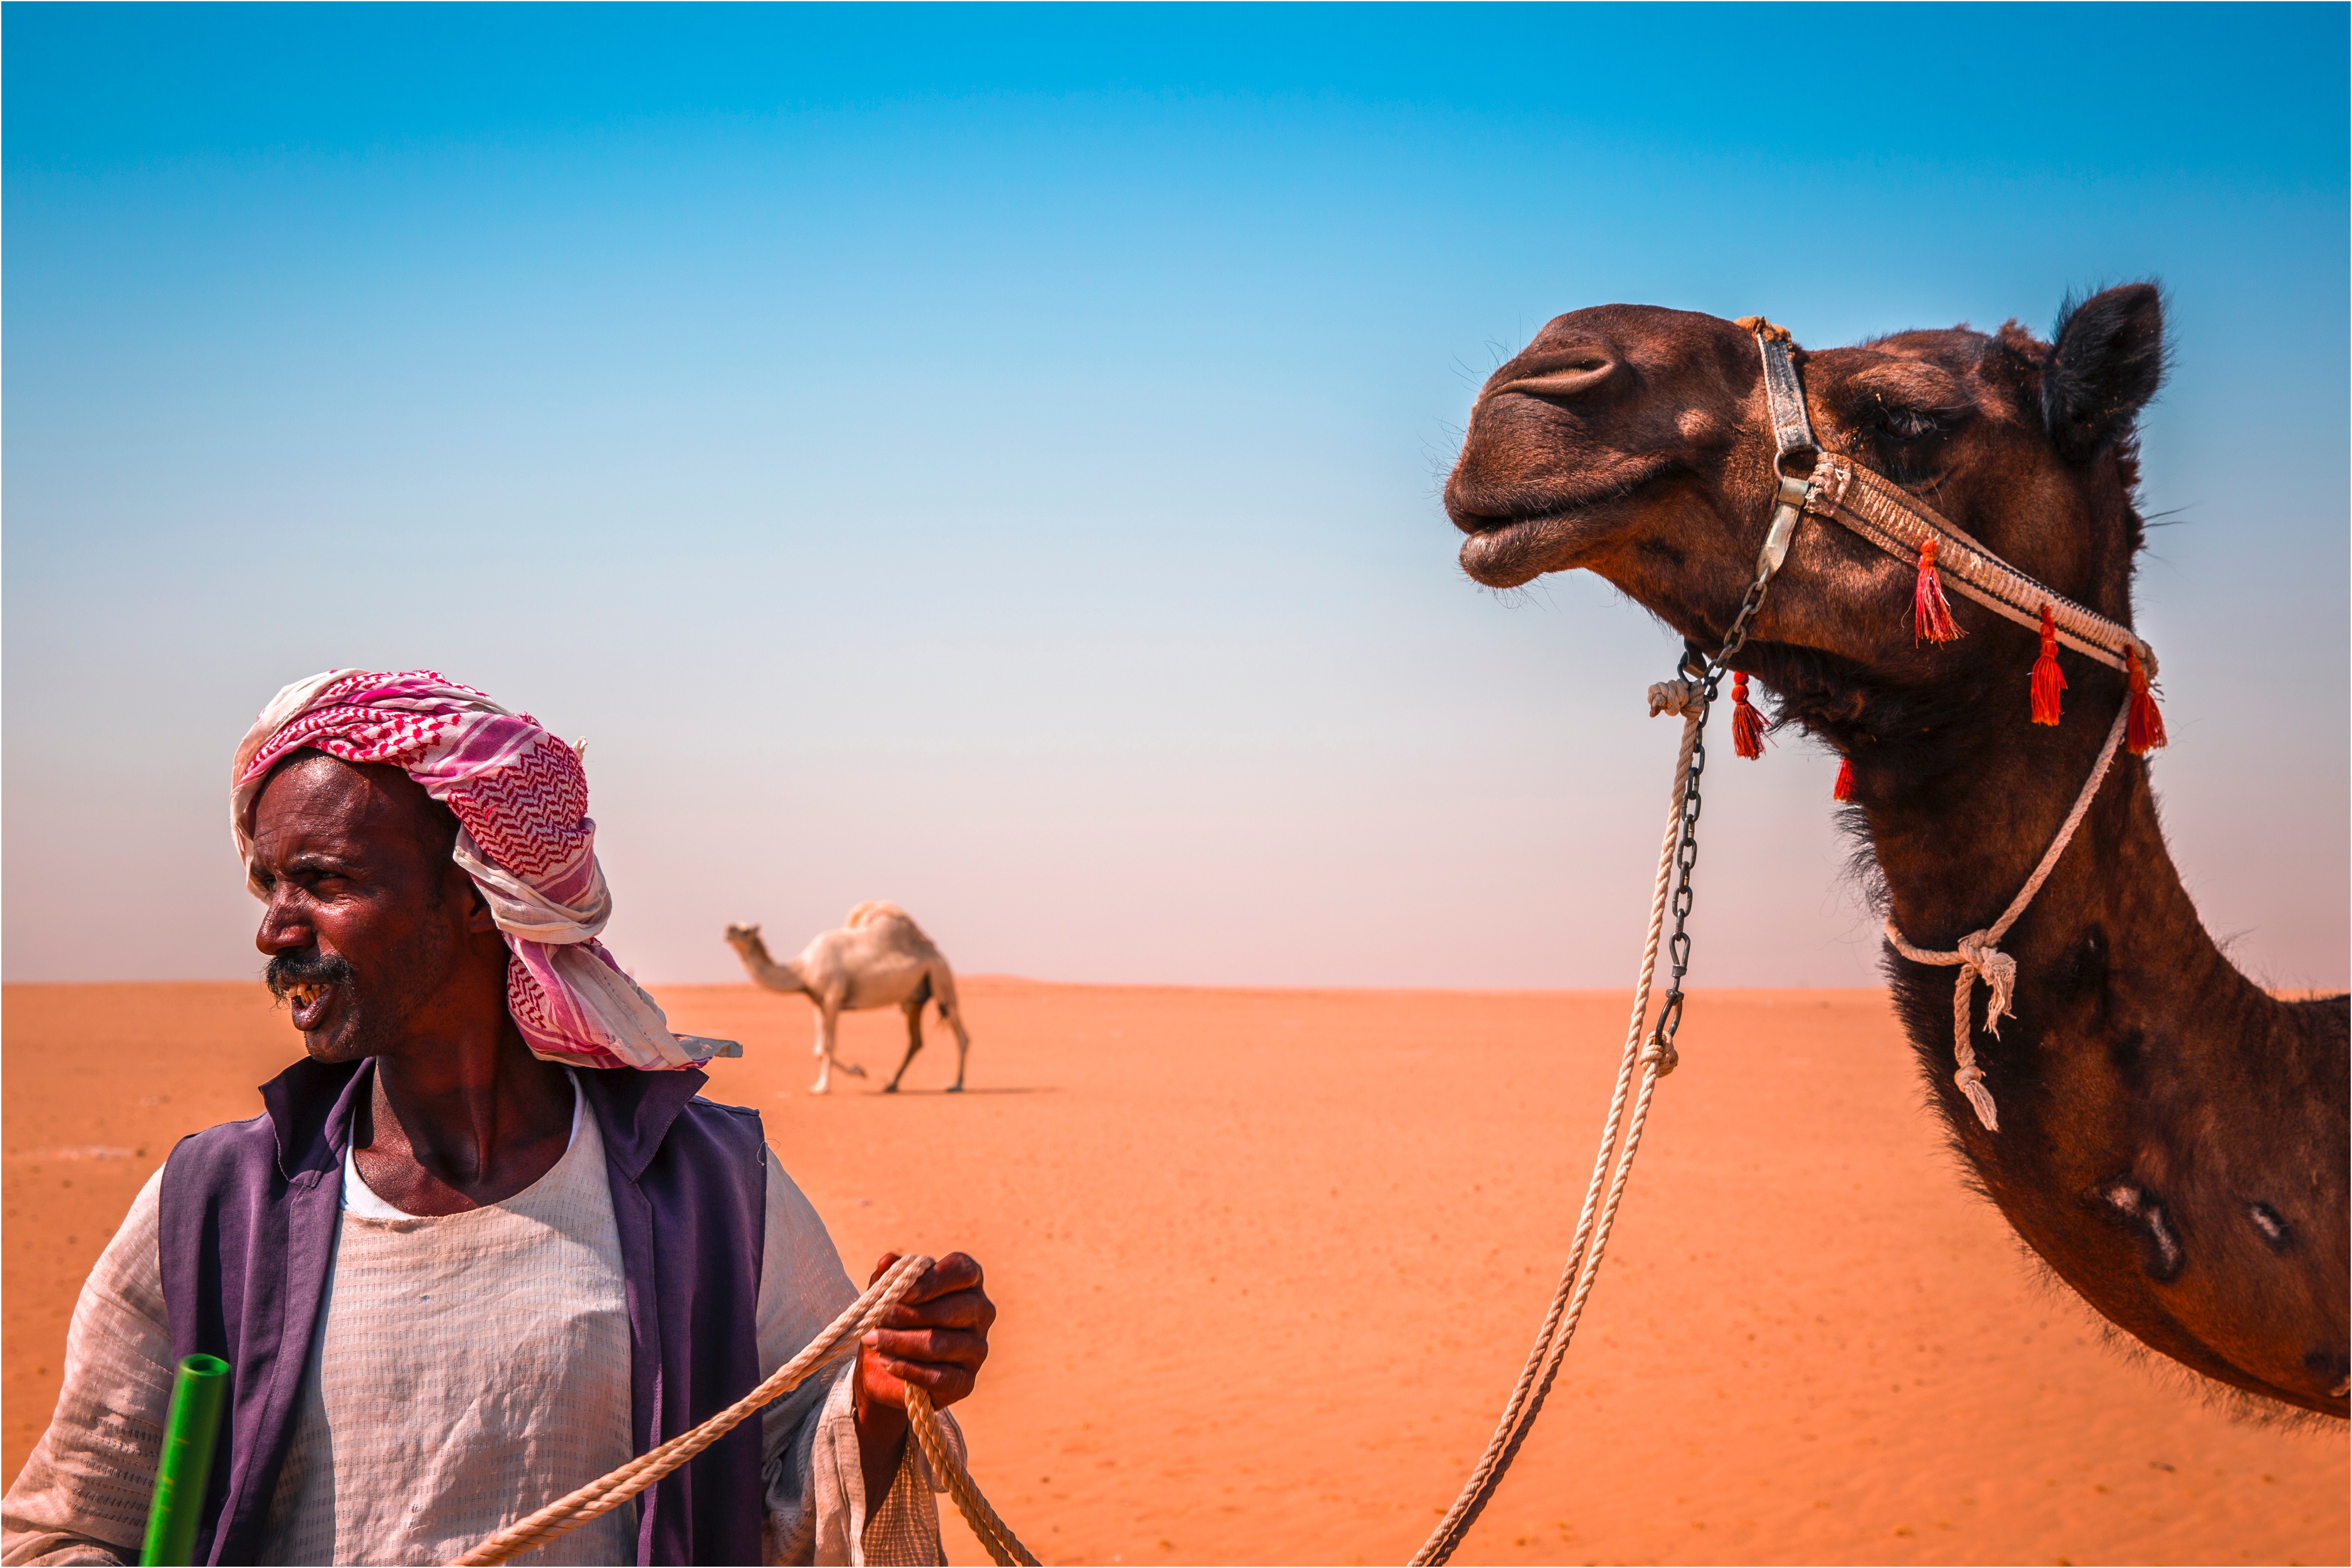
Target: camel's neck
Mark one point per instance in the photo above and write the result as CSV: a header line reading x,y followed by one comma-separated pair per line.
x,y
2171,1136
765,971
2111,944
2115,969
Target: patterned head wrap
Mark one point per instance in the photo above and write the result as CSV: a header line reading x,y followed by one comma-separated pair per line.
x,y
524,836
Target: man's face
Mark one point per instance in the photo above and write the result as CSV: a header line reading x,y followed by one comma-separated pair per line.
x,y
368,927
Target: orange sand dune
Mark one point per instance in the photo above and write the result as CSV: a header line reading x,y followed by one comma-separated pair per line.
x,y
1268,1261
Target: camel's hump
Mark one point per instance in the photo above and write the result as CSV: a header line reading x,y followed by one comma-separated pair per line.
x,y
875,910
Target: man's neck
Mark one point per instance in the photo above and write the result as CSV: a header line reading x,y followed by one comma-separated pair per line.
x,y
453,1126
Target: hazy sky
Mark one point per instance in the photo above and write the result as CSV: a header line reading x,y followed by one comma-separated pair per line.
x,y
988,458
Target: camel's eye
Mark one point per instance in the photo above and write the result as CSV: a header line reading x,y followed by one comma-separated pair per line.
x,y
1910,441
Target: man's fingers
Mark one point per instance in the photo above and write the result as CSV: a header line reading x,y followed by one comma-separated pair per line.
x,y
956,1271
960,1309
945,1384
957,1346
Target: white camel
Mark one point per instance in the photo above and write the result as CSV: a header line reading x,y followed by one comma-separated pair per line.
x,y
879,958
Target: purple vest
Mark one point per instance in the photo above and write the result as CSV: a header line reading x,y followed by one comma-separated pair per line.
x,y
250,1213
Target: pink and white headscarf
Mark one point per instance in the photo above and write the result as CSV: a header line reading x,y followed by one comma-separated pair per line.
x,y
524,836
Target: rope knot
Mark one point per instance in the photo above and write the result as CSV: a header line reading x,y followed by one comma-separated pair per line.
x,y
1971,1079
1661,1051
1998,972
1680,698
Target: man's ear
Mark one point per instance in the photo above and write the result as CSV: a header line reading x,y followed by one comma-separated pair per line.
x,y
477,906
2105,363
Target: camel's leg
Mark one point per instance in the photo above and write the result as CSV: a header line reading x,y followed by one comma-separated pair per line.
x,y
914,1011
826,1017
943,986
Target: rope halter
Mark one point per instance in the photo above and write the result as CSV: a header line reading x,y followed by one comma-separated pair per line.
x,y
1866,503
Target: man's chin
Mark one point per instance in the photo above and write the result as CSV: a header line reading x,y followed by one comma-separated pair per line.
x,y
332,1051
331,1025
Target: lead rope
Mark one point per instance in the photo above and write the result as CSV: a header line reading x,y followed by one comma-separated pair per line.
x,y
610,1491
1593,1224
1691,697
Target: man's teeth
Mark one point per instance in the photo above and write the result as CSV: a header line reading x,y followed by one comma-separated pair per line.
x,y
303,995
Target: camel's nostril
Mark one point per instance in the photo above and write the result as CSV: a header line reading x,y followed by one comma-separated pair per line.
x,y
2273,1228
1576,379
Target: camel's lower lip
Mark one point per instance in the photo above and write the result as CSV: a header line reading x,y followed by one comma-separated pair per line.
x,y
1520,550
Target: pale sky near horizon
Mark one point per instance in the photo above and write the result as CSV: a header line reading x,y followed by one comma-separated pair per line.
x,y
990,459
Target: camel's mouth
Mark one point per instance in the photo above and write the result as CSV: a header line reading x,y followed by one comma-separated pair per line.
x,y
1525,523
1505,552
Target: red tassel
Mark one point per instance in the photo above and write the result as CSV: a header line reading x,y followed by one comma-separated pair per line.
x,y
1746,724
2144,730
2048,683
1931,617
1844,788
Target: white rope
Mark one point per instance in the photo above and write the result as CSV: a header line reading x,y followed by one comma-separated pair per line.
x,y
1685,700
608,1492
1980,957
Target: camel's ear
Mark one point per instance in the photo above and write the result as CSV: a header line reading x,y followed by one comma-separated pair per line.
x,y
2107,361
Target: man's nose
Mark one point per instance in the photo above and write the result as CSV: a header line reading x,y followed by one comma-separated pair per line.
x,y
284,925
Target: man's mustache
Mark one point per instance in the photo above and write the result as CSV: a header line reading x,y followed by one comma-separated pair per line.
x,y
287,971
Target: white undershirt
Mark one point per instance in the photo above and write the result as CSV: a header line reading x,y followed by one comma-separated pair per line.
x,y
361,1199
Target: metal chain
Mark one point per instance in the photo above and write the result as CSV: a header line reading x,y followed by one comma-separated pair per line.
x,y
1707,673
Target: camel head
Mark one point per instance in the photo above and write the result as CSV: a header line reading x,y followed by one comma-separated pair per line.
x,y
746,941
1633,441
2171,1137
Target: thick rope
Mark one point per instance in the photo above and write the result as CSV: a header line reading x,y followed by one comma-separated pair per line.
x,y
1600,1214
1980,957
1604,1192
992,1531
610,1491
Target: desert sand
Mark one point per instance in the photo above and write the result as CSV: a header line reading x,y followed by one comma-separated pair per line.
x,y
1268,1262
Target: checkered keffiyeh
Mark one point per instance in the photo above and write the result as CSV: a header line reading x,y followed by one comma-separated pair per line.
x,y
524,836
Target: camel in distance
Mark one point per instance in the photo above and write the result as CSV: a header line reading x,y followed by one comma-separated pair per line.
x,y
2171,1135
879,958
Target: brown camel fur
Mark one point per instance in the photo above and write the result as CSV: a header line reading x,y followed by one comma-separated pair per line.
x,y
2173,1139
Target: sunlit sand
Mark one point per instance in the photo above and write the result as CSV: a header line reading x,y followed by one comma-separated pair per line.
x,y
1268,1261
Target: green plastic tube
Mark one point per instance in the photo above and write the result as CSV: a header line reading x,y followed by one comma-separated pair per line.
x,y
185,1468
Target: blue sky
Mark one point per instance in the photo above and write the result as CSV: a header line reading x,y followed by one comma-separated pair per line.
x,y
989,457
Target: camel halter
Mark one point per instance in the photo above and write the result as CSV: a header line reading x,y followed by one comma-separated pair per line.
x,y
1872,505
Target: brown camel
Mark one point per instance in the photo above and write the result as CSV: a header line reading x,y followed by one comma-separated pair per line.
x,y
2172,1138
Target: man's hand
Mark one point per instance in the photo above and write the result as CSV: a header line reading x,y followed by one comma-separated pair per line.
x,y
936,1339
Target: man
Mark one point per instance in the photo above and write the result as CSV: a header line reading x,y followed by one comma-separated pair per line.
x,y
486,1244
